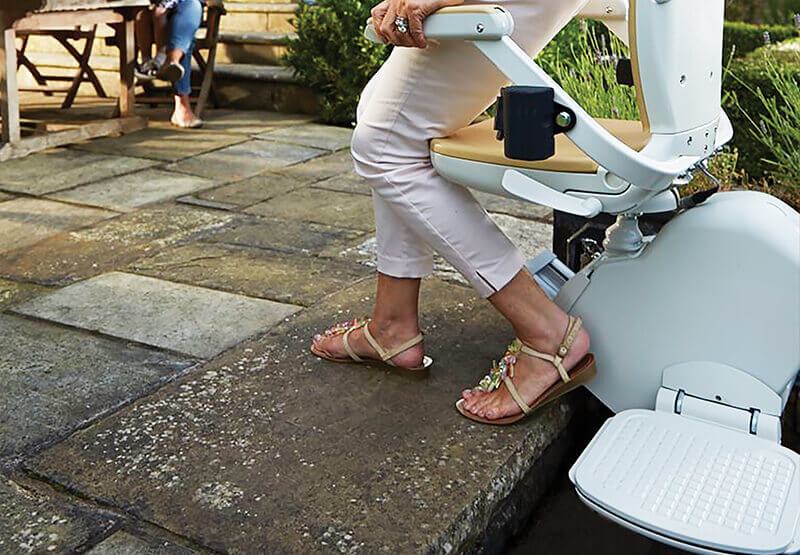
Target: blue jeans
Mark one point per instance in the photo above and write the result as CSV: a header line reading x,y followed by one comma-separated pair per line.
x,y
184,22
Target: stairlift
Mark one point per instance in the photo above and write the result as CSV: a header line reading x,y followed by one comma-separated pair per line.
x,y
696,330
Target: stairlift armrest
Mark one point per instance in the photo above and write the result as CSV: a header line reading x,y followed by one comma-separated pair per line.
x,y
492,38
600,145
471,22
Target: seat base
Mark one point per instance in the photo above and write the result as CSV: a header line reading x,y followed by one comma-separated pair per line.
x,y
478,142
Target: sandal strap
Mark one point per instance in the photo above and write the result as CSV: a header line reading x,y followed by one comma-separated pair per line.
x,y
347,346
573,327
385,355
515,394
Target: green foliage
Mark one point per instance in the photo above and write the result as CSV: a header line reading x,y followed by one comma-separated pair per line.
x,y
582,59
332,57
761,11
740,38
749,82
778,126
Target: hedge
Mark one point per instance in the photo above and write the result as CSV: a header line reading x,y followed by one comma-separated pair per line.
x,y
747,37
744,77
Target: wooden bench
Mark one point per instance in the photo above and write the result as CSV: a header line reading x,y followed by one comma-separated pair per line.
x,y
53,15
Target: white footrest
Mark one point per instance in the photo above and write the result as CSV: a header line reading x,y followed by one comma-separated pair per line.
x,y
694,482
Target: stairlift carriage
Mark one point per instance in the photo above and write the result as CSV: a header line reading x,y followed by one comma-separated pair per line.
x,y
696,330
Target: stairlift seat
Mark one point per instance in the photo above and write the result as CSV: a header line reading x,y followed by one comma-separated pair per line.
x,y
702,485
477,142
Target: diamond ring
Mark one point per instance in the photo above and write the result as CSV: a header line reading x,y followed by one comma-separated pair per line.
x,y
401,24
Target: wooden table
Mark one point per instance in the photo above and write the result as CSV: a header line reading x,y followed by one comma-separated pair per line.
x,y
32,15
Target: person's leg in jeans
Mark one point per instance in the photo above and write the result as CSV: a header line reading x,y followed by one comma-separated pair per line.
x,y
418,95
184,22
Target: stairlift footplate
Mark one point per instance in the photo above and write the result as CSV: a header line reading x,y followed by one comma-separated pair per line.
x,y
693,484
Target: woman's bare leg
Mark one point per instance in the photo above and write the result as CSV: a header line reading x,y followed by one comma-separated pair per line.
x,y
539,323
394,320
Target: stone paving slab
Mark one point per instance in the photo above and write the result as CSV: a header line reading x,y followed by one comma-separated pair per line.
x,y
299,280
60,169
326,137
245,160
5,196
250,122
25,221
252,190
123,543
13,292
30,523
346,183
134,190
168,145
269,449
321,168
284,236
320,206
192,320
68,257
55,379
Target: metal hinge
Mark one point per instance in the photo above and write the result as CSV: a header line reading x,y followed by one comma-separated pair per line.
x,y
751,420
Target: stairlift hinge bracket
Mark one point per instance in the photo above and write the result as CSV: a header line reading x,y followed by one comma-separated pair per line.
x,y
746,420
721,395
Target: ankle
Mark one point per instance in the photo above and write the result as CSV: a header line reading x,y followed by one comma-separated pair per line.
x,y
546,334
394,327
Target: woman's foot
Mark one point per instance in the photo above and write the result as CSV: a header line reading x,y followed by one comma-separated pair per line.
x,y
388,335
170,71
182,115
532,376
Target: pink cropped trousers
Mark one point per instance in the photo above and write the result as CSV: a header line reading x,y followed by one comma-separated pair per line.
x,y
421,94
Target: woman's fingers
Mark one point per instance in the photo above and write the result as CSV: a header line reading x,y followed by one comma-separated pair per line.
x,y
416,33
378,13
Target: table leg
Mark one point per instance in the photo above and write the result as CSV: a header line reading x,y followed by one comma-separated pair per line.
x,y
127,61
9,93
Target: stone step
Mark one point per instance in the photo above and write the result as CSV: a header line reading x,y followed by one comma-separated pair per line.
x,y
263,87
252,47
252,16
266,38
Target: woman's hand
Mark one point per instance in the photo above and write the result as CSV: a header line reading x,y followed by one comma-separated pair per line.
x,y
413,11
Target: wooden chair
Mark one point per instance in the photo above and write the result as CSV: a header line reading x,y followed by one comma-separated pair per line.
x,y
84,74
205,42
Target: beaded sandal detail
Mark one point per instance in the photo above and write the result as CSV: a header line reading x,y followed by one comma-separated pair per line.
x,y
346,328
503,371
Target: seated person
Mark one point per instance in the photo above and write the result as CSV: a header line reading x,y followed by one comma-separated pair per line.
x,y
174,24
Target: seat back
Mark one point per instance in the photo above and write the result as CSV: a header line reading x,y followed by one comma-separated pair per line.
x,y
676,53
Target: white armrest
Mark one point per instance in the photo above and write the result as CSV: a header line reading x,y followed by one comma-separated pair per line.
x,y
475,22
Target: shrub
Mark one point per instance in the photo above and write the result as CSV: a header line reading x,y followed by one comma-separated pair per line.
x,y
747,83
332,57
779,127
746,37
582,59
761,11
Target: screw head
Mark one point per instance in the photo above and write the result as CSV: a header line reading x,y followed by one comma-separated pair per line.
x,y
689,141
479,27
563,119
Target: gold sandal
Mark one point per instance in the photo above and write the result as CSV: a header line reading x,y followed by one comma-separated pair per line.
x,y
503,371
346,328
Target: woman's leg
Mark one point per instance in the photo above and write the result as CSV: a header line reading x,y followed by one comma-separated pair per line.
x,y
183,25
421,94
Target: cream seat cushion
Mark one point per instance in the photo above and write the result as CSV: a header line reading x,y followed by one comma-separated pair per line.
x,y
478,143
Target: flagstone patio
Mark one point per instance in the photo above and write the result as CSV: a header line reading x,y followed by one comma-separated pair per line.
x,y
158,291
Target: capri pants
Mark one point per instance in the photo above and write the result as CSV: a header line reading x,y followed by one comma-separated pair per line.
x,y
420,94
183,24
